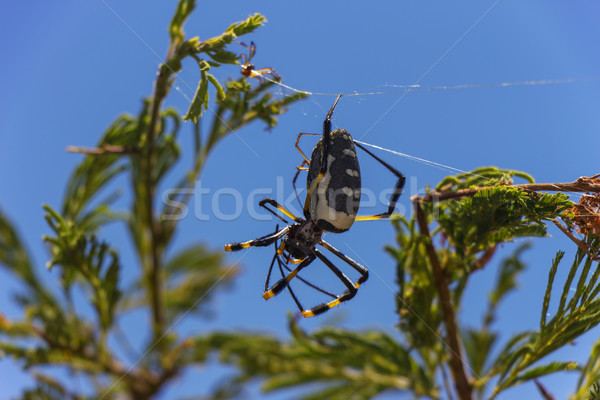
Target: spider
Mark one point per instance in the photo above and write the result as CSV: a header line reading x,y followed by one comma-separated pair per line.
x,y
331,205
249,71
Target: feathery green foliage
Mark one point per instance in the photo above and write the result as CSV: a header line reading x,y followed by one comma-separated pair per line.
x,y
432,355
420,360
144,149
347,364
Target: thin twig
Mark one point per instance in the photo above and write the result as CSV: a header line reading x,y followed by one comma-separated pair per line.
x,y
583,184
484,259
544,392
161,88
105,149
585,248
457,368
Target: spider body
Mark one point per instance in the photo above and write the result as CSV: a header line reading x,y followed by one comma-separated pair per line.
x,y
332,202
336,197
302,237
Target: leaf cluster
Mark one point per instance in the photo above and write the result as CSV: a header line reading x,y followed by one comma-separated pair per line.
x,y
136,154
495,214
345,364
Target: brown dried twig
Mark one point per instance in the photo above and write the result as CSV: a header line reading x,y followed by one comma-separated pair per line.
x,y
105,149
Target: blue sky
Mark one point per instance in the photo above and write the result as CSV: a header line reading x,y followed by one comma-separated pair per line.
x,y
70,68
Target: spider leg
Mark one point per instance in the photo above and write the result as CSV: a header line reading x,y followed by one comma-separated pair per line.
x,y
275,256
300,168
278,251
307,283
280,284
326,137
251,49
260,242
395,195
298,144
347,295
305,164
263,72
279,207
288,284
359,268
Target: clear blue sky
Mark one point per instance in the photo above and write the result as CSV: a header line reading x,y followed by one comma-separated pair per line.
x,y
70,68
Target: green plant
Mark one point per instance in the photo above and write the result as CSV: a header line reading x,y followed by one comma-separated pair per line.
x,y
144,148
453,233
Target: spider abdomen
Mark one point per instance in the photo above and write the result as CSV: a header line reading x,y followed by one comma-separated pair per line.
x,y
335,200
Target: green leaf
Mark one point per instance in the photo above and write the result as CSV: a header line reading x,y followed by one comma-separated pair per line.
x,y
13,254
183,11
365,363
247,26
478,345
595,391
506,281
82,257
496,214
547,369
547,294
217,85
567,285
200,100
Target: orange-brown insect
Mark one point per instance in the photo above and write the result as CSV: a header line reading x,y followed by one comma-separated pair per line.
x,y
250,71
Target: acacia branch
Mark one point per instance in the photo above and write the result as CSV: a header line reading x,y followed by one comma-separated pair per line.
x,y
484,259
582,185
162,85
104,149
584,247
141,383
161,88
457,367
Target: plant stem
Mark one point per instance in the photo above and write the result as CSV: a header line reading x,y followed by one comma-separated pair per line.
x,y
161,88
457,367
582,184
105,149
584,247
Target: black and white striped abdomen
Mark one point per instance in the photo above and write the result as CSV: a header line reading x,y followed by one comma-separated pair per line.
x,y
334,202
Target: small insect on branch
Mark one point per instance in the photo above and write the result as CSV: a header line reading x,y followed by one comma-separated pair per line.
x,y
249,70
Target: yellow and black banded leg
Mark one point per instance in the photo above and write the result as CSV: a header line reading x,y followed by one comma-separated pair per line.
x,y
282,283
263,203
395,195
278,252
289,287
298,277
364,273
300,168
347,295
305,164
306,160
260,242
275,257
